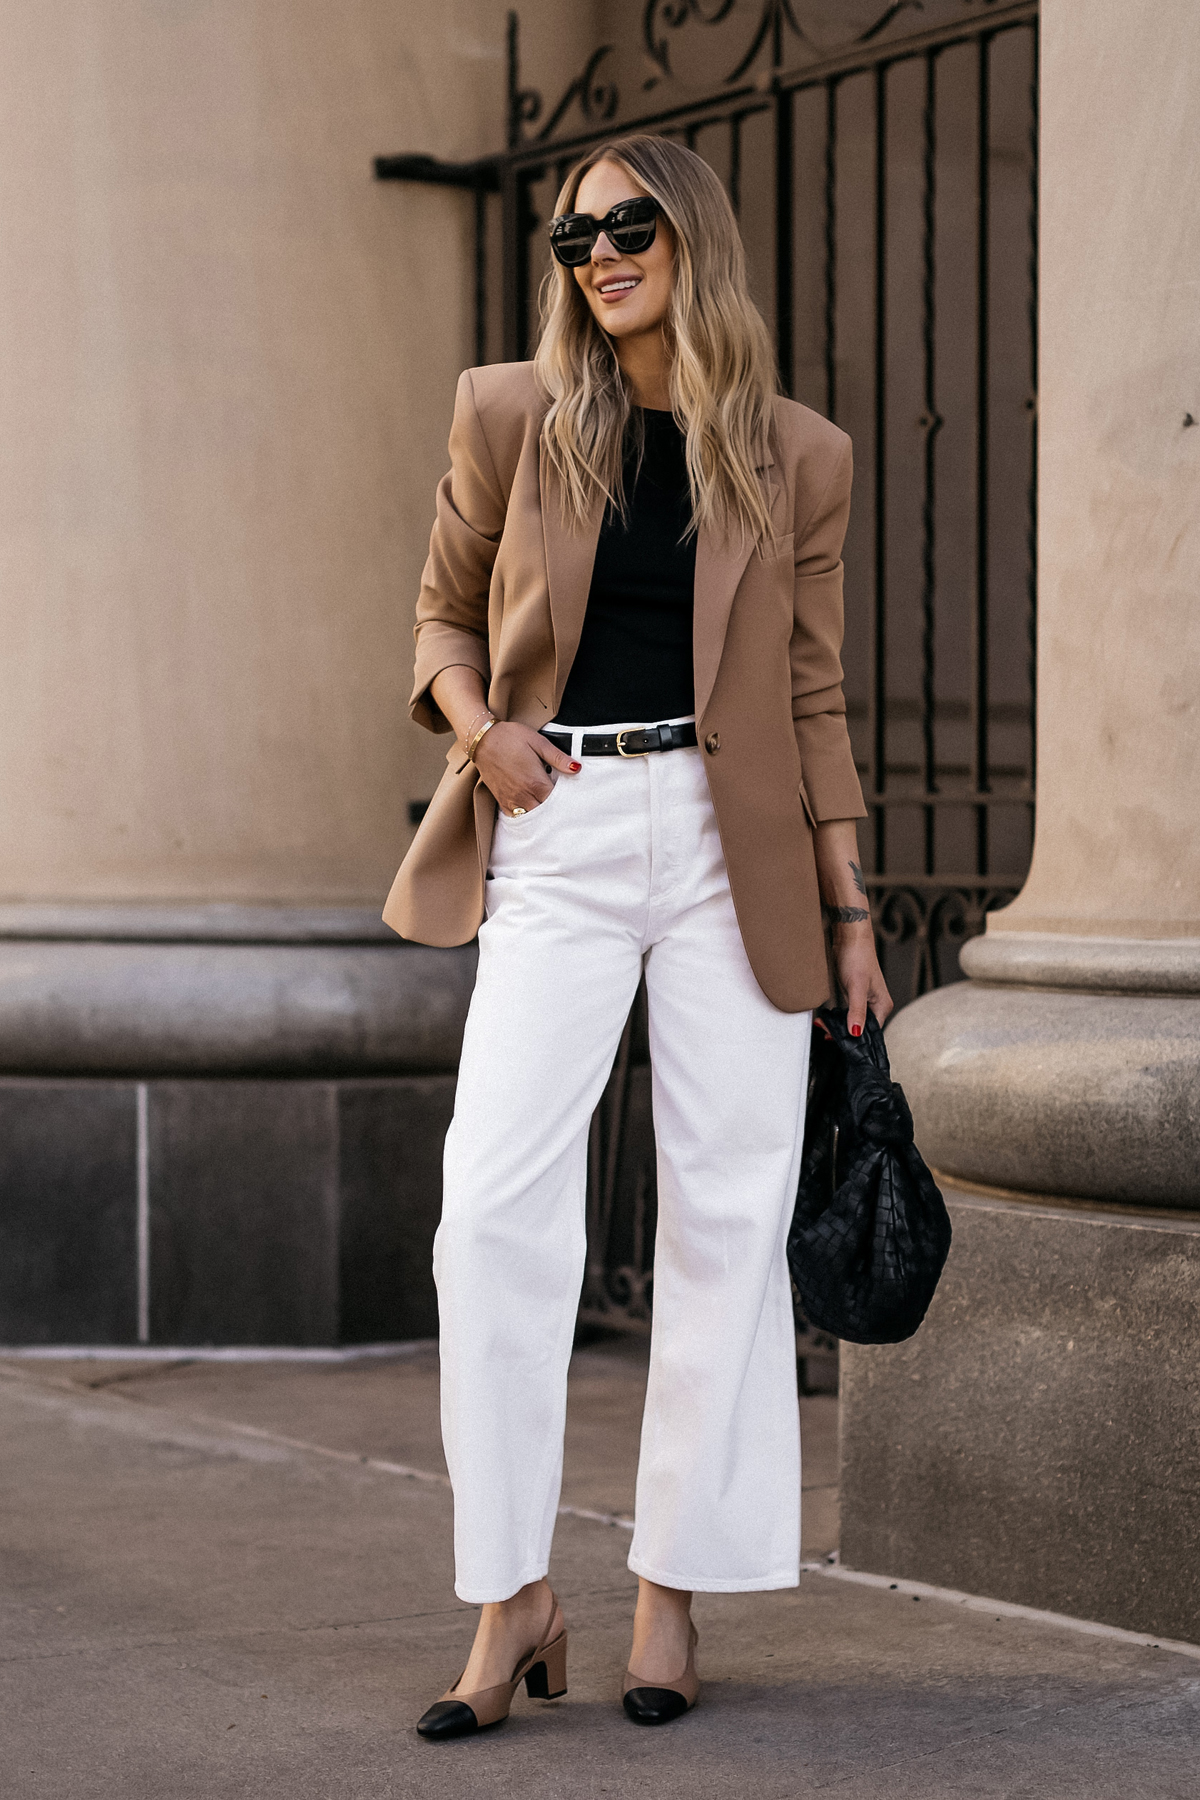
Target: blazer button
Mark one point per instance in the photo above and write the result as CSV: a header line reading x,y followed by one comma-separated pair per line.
x,y
712,742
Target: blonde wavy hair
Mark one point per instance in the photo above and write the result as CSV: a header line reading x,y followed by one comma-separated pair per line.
x,y
722,380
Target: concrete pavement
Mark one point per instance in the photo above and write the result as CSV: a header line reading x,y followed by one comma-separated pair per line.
x,y
235,1580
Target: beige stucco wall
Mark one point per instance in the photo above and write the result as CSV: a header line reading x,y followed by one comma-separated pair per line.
x,y
227,363
1118,831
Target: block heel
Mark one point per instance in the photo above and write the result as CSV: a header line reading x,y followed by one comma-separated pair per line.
x,y
547,1679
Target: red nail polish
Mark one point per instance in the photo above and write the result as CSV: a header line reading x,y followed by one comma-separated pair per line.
x,y
575,768
856,1031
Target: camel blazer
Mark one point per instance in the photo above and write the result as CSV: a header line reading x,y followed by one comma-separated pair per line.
x,y
505,590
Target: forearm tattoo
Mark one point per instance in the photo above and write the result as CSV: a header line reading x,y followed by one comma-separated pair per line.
x,y
850,915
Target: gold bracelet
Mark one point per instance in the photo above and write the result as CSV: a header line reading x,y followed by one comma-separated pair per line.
x,y
478,738
484,713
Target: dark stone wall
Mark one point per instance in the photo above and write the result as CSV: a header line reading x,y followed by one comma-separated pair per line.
x,y
68,1219
280,1212
390,1136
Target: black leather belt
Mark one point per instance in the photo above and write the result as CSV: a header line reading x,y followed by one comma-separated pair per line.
x,y
634,741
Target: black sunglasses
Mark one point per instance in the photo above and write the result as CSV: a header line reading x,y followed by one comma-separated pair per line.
x,y
629,228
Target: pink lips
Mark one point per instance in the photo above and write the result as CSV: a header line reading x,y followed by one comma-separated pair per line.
x,y
618,293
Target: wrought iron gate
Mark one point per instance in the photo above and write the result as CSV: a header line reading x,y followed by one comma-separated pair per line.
x,y
882,159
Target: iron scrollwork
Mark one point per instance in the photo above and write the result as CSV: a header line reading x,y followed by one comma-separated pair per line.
x,y
907,913
662,16
777,18
595,92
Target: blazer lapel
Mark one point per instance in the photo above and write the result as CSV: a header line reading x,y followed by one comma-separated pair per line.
x,y
720,565
570,554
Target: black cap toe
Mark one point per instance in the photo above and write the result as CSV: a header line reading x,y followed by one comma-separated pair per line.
x,y
447,1719
653,1705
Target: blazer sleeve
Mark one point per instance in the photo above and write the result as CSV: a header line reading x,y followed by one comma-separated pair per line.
x,y
452,609
818,703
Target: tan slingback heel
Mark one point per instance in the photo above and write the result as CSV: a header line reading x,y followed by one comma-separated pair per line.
x,y
543,1670
658,1705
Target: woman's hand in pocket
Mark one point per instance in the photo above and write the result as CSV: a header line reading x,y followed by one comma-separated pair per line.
x,y
513,761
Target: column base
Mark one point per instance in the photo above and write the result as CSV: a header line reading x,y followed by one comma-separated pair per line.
x,y
1038,1440
1087,1084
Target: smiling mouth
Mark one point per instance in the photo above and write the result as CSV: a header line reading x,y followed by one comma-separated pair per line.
x,y
610,290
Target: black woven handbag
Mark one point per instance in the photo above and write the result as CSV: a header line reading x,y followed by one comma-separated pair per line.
x,y
871,1232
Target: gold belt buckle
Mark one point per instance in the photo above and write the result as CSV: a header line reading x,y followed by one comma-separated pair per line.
x,y
621,750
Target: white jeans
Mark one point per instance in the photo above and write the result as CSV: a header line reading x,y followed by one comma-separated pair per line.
x,y
621,869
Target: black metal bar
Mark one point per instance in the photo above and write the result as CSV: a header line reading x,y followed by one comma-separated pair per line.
x,y
980,748
735,162
831,250
618,1086
784,241
936,884
879,607
1020,796
597,1220
481,321
483,173
1032,526
515,264
930,422
512,59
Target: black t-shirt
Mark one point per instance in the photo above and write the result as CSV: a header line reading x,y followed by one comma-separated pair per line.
x,y
634,661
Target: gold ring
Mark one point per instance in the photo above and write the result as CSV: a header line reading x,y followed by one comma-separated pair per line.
x,y
518,812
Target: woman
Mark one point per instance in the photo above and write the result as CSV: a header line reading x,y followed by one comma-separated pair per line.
x,y
631,620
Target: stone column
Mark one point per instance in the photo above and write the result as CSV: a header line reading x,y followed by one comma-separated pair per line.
x,y
227,360
1037,1439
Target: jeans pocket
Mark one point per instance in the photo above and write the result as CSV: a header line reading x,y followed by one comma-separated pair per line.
x,y
521,821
